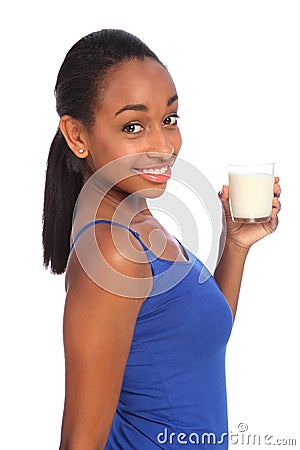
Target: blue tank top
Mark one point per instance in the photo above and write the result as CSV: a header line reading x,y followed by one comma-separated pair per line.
x,y
174,392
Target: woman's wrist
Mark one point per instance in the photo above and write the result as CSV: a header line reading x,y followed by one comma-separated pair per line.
x,y
235,247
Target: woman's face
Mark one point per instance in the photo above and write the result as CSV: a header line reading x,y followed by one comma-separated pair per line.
x,y
136,127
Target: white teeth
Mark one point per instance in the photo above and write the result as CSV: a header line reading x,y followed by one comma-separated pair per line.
x,y
156,171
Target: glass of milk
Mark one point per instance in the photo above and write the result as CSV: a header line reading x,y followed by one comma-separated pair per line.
x,y
251,190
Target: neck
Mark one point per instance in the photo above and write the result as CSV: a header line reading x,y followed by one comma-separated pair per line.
x,y
96,201
122,207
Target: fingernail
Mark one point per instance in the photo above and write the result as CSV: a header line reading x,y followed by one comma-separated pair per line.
x,y
220,193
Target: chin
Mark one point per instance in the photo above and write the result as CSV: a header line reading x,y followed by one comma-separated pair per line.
x,y
151,192
133,185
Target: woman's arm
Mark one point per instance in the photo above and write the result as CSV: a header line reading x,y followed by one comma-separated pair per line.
x,y
229,273
239,239
98,331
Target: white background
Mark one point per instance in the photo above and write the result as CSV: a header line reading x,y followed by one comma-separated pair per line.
x,y
237,70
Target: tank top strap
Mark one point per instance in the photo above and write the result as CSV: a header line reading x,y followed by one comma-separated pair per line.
x,y
117,224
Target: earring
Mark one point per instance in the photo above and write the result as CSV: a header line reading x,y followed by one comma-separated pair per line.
x,y
81,150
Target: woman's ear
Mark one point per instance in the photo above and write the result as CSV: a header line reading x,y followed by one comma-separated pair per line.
x,y
75,135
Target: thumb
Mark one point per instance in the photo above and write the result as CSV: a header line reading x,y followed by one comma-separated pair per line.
x,y
224,197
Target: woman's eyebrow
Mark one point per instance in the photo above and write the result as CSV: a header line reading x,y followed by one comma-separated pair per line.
x,y
172,100
137,107
142,107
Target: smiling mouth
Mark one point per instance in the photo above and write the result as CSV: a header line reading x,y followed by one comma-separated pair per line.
x,y
154,171
160,174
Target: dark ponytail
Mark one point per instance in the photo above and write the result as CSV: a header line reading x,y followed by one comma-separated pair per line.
x,y
64,180
77,92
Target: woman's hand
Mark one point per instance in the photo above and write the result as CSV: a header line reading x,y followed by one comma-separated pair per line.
x,y
246,234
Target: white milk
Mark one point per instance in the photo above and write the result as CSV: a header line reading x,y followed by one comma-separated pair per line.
x,y
251,195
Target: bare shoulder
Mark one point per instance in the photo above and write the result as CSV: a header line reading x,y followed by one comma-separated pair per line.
x,y
112,259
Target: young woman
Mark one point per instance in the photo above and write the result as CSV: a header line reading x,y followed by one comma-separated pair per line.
x,y
144,340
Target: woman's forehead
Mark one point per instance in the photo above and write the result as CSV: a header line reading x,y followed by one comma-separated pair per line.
x,y
137,81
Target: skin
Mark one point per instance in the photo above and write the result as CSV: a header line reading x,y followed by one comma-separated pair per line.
x,y
98,324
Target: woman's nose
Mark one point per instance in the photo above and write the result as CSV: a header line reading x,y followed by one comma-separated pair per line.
x,y
159,145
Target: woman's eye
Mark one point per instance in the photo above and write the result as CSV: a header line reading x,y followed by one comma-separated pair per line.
x,y
171,120
132,128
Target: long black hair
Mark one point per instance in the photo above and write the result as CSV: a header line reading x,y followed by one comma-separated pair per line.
x,y
77,89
